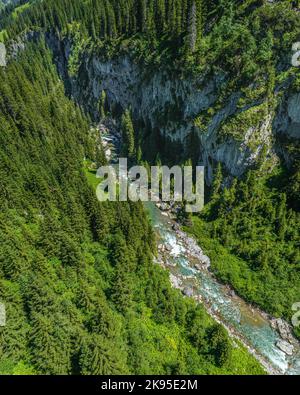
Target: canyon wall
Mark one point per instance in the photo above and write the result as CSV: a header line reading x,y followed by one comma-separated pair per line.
x,y
172,105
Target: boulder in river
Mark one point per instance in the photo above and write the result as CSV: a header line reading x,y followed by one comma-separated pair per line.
x,y
164,207
161,248
188,292
175,227
286,347
231,292
205,260
175,281
283,328
199,298
168,247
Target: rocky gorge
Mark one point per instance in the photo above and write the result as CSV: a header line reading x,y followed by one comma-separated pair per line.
x,y
176,107
183,113
182,250
268,339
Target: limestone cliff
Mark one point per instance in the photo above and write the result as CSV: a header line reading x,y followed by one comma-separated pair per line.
x,y
234,131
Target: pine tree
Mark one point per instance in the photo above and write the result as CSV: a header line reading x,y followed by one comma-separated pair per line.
x,y
192,27
160,16
282,222
197,329
100,155
122,289
217,182
128,136
102,103
220,344
99,357
142,15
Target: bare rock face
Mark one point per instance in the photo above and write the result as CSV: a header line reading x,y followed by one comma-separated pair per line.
x,y
294,108
294,114
171,105
284,329
4,3
287,119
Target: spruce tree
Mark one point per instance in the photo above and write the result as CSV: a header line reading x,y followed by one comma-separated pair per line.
x,y
102,103
217,182
192,27
128,136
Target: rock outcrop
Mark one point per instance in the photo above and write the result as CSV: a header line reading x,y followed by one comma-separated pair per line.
x,y
171,106
286,347
284,329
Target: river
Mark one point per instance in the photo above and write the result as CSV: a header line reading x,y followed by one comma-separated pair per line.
x,y
243,321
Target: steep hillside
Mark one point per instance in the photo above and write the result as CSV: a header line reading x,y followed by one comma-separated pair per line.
x,y
237,107
206,81
81,292
5,3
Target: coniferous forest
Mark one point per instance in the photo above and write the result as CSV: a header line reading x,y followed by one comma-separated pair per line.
x,y
83,295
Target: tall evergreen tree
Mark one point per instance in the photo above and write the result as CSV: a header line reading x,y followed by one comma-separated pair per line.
x,y
128,136
192,27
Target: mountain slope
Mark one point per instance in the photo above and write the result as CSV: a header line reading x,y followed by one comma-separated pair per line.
x,y
4,3
212,86
235,107
81,292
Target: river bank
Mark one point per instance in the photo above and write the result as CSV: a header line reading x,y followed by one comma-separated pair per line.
x,y
178,245
270,341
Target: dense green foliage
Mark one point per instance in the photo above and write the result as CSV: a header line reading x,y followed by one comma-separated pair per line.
x,y
77,276
253,239
128,146
112,18
81,292
246,38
